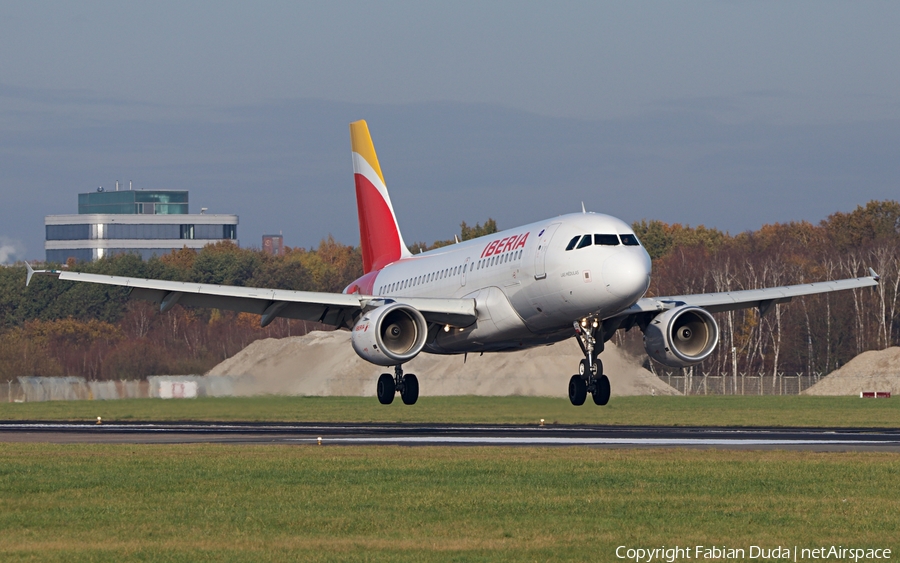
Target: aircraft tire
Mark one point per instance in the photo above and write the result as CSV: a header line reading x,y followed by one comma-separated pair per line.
x,y
601,391
385,389
577,390
584,369
410,392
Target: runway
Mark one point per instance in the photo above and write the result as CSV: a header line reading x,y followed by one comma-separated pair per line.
x,y
330,434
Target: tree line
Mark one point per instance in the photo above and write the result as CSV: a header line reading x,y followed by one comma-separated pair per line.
x,y
56,328
810,335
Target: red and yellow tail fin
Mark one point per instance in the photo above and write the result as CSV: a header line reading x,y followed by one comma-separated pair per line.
x,y
379,234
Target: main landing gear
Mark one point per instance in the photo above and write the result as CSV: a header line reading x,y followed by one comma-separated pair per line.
x,y
590,378
388,385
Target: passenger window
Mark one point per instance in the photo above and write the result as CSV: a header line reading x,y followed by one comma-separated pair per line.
x,y
585,241
630,240
572,243
606,240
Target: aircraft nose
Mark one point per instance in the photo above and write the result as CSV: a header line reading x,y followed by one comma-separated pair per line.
x,y
627,274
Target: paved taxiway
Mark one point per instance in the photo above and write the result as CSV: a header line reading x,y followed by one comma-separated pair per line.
x,y
818,439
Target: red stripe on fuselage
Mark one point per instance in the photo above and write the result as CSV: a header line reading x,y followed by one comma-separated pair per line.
x,y
378,235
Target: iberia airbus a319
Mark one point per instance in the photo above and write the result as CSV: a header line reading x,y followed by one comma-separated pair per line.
x,y
582,275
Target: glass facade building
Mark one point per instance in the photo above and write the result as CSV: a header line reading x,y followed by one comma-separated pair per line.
x,y
142,222
136,202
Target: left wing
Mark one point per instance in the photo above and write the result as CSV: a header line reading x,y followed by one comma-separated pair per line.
x,y
762,299
336,309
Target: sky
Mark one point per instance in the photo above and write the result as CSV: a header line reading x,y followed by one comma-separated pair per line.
x,y
726,114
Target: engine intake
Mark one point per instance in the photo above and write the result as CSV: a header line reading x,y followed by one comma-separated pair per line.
x,y
681,337
390,335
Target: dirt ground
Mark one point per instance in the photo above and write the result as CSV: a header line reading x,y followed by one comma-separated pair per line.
x,y
876,370
324,364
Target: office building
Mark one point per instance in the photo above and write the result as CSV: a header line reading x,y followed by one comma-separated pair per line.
x,y
143,222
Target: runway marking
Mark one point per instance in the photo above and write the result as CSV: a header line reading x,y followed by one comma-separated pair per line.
x,y
500,440
832,439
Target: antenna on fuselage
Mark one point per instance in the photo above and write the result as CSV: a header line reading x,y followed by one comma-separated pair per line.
x,y
456,238
583,210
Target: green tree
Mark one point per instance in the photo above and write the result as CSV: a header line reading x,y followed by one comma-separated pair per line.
x,y
877,220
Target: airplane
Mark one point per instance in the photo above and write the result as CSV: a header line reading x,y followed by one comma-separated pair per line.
x,y
581,275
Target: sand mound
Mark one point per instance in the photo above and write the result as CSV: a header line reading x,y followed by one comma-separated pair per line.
x,y
876,370
324,363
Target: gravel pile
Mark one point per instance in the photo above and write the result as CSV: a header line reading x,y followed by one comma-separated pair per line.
x,y
876,370
324,364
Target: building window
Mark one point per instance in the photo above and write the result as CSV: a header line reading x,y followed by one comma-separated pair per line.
x,y
68,232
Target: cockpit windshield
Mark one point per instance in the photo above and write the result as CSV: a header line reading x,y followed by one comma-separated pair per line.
x,y
606,240
583,241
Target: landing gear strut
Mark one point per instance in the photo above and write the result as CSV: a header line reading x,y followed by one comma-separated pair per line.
x,y
590,378
388,385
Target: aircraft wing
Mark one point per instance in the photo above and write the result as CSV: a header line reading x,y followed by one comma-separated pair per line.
x,y
336,309
763,299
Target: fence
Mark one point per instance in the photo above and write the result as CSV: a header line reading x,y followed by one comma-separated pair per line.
x,y
781,384
31,389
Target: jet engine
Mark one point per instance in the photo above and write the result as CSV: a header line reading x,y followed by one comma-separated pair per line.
x,y
389,335
681,337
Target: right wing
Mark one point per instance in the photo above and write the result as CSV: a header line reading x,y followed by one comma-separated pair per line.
x,y
762,299
336,309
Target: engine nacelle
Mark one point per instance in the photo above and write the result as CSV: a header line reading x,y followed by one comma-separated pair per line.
x,y
681,337
390,335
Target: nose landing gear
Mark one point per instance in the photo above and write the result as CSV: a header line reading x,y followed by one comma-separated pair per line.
x,y
388,385
590,378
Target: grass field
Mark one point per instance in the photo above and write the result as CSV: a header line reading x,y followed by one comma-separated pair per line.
x,y
685,411
311,503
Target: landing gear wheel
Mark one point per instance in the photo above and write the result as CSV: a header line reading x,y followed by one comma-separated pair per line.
x,y
410,391
585,369
600,394
386,389
577,390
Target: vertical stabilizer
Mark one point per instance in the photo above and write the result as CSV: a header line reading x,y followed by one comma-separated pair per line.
x,y
379,234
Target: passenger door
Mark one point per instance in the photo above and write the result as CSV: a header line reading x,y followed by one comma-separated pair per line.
x,y
540,253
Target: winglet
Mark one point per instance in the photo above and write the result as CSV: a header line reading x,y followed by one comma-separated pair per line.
x,y
873,275
30,272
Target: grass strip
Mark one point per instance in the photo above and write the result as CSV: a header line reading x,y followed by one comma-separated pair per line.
x,y
288,503
641,411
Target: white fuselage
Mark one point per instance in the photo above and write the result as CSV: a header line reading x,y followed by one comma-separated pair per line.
x,y
528,288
